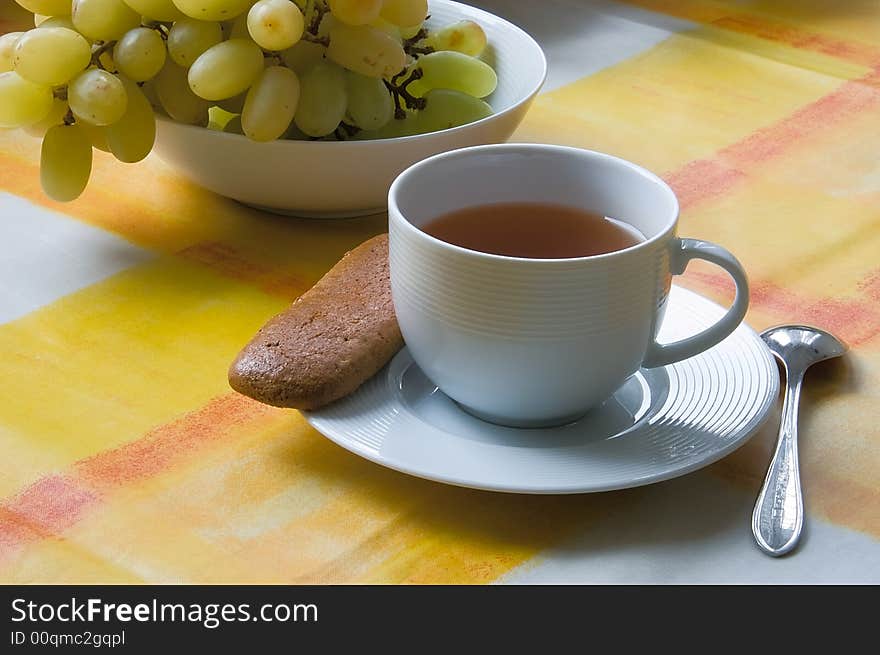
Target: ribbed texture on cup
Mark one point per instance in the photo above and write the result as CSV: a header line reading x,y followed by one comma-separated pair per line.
x,y
521,298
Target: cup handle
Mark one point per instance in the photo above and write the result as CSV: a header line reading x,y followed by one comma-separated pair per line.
x,y
682,251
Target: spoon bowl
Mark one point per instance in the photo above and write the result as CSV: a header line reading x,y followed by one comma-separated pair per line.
x,y
802,345
778,519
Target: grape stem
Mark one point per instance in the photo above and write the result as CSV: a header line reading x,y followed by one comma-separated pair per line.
x,y
311,38
321,8
69,118
99,49
411,47
160,27
399,91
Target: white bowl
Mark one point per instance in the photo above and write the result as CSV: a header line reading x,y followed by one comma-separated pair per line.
x,y
351,178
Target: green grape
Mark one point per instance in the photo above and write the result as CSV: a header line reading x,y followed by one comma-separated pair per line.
x,y
393,129
416,88
218,117
410,32
405,13
446,108
275,24
389,28
51,55
453,70
54,117
238,28
22,102
226,69
58,21
149,89
163,10
65,162
213,9
302,56
97,97
47,7
271,104
465,36
107,63
356,12
104,20
97,135
369,103
365,50
233,105
39,18
176,98
131,138
140,54
7,47
322,100
189,38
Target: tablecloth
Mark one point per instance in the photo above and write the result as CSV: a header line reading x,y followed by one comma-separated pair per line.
x,y
125,457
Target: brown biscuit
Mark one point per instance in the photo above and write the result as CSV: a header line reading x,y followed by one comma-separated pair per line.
x,y
329,341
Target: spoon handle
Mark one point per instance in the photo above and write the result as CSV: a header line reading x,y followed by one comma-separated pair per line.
x,y
779,512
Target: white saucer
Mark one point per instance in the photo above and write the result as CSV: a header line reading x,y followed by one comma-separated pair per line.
x,y
660,424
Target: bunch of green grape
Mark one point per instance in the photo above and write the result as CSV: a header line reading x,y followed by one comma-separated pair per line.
x,y
92,74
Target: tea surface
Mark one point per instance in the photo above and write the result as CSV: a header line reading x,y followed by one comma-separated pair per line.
x,y
533,231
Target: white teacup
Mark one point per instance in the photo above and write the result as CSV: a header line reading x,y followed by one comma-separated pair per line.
x,y
536,342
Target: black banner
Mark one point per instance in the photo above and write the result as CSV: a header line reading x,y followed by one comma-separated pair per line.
x,y
408,618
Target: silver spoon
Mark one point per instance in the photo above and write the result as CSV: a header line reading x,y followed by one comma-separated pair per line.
x,y
779,512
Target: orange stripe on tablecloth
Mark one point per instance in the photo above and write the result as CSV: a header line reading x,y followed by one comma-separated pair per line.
x,y
738,20
701,180
706,179
849,99
56,502
855,320
15,532
45,508
227,260
860,53
167,444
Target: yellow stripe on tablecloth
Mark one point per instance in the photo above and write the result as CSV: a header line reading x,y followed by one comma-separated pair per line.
x,y
683,100
800,237
57,561
100,367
